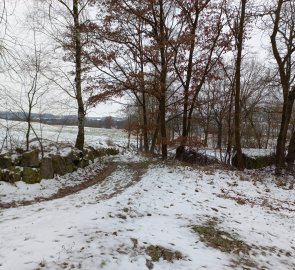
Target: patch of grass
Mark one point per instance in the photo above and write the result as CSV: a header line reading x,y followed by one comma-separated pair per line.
x,y
135,242
226,242
158,252
126,210
219,239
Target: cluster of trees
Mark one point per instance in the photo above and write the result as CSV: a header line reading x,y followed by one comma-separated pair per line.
x,y
184,66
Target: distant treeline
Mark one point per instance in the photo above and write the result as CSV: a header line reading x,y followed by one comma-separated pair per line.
x,y
67,120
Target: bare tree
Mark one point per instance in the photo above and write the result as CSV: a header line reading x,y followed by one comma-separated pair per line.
x,y
28,77
68,20
283,48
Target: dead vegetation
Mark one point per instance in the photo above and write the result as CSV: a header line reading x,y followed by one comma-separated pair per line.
x,y
225,242
158,252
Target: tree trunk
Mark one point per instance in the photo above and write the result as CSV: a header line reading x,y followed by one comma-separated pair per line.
x,y
219,134
281,142
163,82
28,131
162,111
155,136
145,125
290,158
237,113
227,157
284,68
78,81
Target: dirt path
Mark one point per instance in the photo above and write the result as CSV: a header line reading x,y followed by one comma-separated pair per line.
x,y
137,169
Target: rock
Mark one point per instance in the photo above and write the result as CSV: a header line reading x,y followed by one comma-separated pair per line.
x,y
46,168
30,159
254,162
69,162
11,175
5,162
192,156
60,165
95,152
77,157
89,154
16,173
83,163
31,175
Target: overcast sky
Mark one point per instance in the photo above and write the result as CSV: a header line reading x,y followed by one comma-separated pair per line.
x,y
19,33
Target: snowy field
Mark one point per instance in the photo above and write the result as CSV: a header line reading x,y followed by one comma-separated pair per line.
x,y
14,132
146,214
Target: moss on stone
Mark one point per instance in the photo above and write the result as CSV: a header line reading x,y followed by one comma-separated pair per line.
x,y
30,159
31,176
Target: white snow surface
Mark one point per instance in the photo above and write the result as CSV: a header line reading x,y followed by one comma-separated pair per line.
x,y
97,228
13,132
91,230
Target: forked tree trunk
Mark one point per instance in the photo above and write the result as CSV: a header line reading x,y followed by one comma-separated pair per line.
x,y
284,68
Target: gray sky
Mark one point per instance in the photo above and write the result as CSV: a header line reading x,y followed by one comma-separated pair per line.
x,y
18,33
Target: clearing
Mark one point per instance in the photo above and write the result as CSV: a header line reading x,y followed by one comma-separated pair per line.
x,y
152,215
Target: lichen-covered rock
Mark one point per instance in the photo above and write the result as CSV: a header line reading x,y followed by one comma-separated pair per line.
x,y
16,173
30,159
5,162
60,165
31,175
11,175
69,162
46,168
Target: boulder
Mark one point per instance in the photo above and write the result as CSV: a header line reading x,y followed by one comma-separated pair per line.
x,y
46,168
11,175
60,165
30,159
83,163
5,162
254,162
192,156
69,162
31,175
89,154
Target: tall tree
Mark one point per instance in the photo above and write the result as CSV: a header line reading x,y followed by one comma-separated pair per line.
x,y
68,22
143,30
199,47
283,48
239,33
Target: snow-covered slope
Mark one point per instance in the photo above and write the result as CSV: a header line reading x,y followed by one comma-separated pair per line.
x,y
98,228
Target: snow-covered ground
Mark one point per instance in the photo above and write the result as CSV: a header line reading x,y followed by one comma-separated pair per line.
x,y
214,218
92,230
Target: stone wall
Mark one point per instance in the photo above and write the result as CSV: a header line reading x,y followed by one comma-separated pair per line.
x,y
31,168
